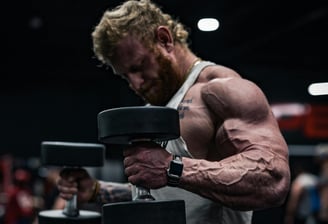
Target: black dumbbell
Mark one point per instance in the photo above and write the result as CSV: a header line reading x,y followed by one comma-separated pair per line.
x,y
128,125
71,155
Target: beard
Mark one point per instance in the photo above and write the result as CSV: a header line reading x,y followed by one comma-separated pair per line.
x,y
166,85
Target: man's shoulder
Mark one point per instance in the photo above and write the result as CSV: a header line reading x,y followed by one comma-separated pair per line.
x,y
215,71
234,95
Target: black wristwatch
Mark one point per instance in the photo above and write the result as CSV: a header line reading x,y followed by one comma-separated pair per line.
x,y
174,171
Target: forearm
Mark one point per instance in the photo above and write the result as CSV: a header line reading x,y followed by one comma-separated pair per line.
x,y
113,192
247,181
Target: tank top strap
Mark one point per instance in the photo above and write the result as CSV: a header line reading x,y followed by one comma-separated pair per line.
x,y
192,77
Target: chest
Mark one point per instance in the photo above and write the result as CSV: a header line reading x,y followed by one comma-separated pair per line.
x,y
196,123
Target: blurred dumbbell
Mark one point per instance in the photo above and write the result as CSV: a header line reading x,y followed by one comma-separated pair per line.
x,y
130,125
70,155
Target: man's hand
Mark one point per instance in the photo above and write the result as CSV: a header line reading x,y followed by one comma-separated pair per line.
x,y
75,181
146,164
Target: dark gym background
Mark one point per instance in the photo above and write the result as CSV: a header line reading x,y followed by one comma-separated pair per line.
x,y
52,88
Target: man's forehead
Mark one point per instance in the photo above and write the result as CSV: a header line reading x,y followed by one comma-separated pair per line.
x,y
128,51
129,45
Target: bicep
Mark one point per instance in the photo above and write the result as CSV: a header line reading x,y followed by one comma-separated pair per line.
x,y
245,120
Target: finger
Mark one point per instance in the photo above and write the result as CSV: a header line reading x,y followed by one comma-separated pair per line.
x,y
133,169
129,171
128,161
66,196
138,180
70,188
133,180
69,181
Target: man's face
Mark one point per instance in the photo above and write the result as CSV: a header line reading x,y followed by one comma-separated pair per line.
x,y
150,74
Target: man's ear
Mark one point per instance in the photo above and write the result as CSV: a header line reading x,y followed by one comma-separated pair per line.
x,y
164,38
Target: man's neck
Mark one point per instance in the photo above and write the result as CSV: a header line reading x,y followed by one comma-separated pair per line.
x,y
186,60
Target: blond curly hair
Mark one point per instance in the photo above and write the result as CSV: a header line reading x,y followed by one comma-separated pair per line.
x,y
137,18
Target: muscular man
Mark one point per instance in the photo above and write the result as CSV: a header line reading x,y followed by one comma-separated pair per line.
x,y
234,157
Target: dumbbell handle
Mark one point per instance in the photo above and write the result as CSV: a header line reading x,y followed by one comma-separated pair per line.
x,y
142,193
71,209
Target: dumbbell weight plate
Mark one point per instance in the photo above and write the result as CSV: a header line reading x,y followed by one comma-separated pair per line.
x,y
145,212
57,217
126,124
72,154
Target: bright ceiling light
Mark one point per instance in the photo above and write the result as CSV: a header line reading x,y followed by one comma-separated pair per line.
x,y
208,24
289,109
318,89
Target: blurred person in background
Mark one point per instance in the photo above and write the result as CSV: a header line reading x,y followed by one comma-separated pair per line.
x,y
303,200
322,158
308,199
20,203
50,192
2,198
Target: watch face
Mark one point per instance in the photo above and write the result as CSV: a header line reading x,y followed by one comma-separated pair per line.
x,y
176,168
174,171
